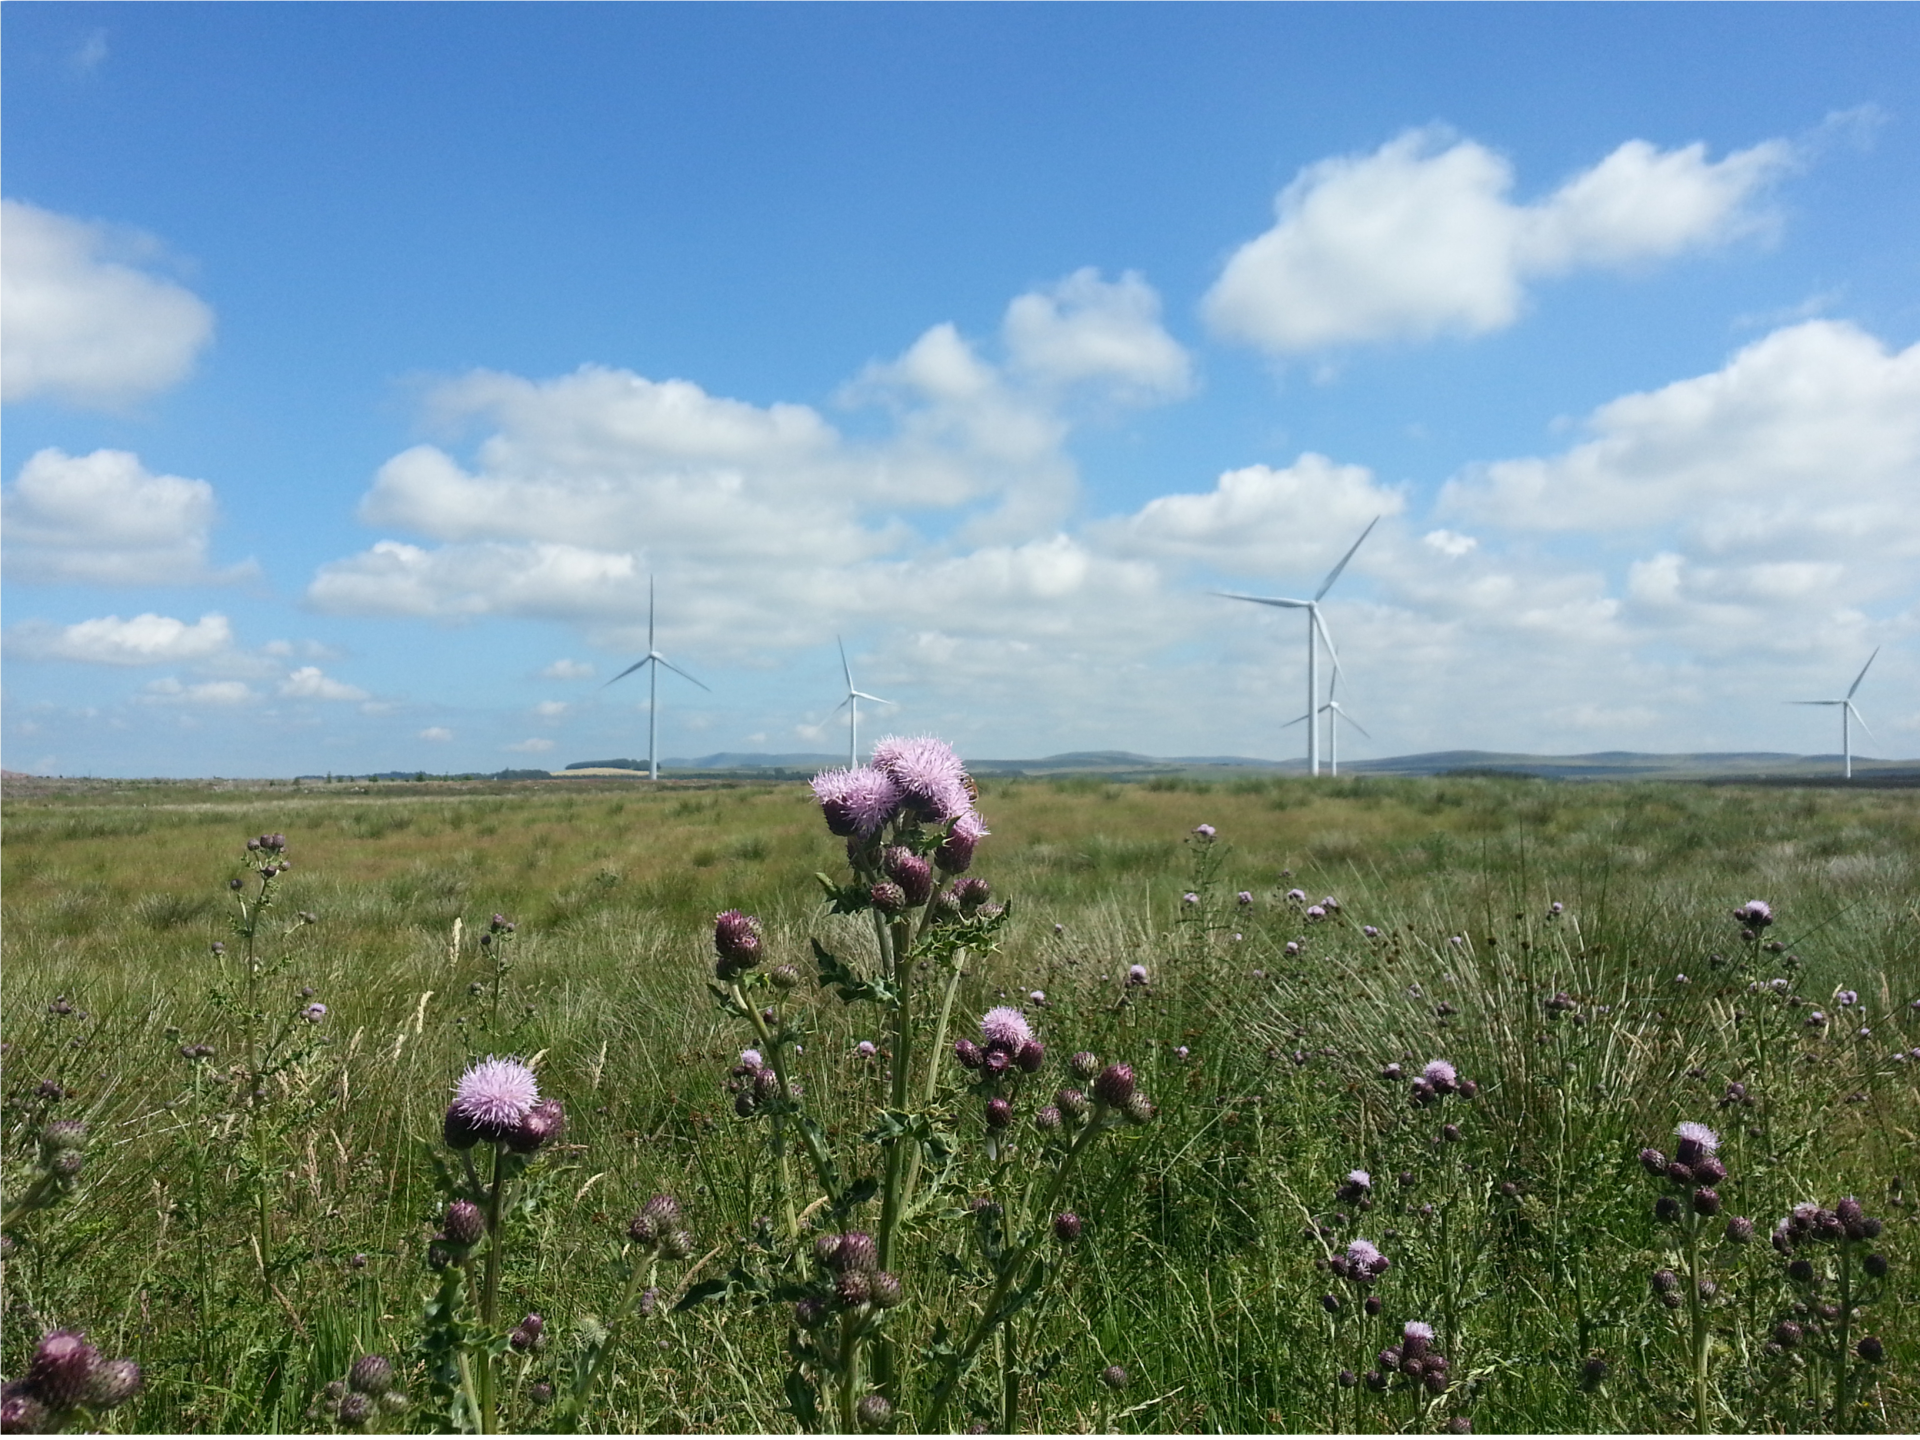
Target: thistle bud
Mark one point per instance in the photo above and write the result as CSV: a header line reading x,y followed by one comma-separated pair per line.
x,y
22,1414
784,977
463,1224
1871,1350
1876,1265
1047,1119
1330,1303
113,1382
355,1408
1084,1065
67,1164
736,939
1679,1174
1138,1109
1348,1379
854,1288
65,1135
1594,1371
1800,1271
912,874
676,1245
875,1412
1030,1056
1706,1202
540,1393
544,1123
1666,1209
856,1251
1073,1103
999,1113
371,1375
1114,1377
887,1292
1654,1162
1469,1089
1371,1305
1739,1230
825,1249
971,893
1787,1334
888,898
1114,1086
1459,1424
1450,1134
1665,1282
61,1366
967,1053
1709,1171
809,1314
1066,1227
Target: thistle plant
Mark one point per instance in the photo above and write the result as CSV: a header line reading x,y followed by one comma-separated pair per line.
x,y
370,1393
62,1157
68,1382
951,1115
498,1114
1835,1273
1690,1208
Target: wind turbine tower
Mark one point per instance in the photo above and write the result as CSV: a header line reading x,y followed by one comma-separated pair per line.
x,y
652,665
1316,634
1847,714
852,702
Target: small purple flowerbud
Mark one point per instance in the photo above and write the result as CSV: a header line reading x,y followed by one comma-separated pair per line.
x,y
61,1366
1787,1334
1459,1424
967,1053
1653,1161
1876,1265
1072,1102
1679,1174
1800,1271
874,1412
463,1224
1371,1305
1114,1377
1084,1065
22,1414
853,1288
355,1408
888,898
1348,1379
1047,1118
1849,1212
1706,1202
999,1113
1594,1371
972,892
544,1123
1030,1056
913,875
1739,1230
1469,1089
887,1291
1666,1209
996,1062
1871,1350
1330,1303
1066,1227
808,1314
540,1394
1709,1171
65,1135
1450,1133
736,940
856,1251
113,1382
1136,975
371,1375
1114,1086
1391,1071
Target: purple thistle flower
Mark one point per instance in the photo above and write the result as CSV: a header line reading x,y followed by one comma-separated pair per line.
x,y
1036,997
1653,1161
913,875
1415,1337
1192,897
1114,1377
1297,897
1755,915
857,802
1556,908
1245,897
1316,912
1696,1142
544,1124
1136,975
1440,1075
999,1113
463,1223
751,1059
736,940
1006,1027
492,1099
931,780
1739,1230
1370,932
1293,947
1114,1086
61,1366
1847,999
1364,1257
955,853
1205,832
314,1013
866,1050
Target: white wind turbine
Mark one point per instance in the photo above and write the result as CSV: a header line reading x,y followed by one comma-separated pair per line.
x,y
1847,714
1335,713
1316,633
852,702
656,660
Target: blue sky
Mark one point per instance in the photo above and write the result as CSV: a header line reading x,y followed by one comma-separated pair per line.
x,y
361,362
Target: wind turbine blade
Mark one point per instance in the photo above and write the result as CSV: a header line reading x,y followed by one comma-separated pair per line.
x,y
1351,721
1861,676
682,674
841,706
637,665
1295,721
1326,637
1263,600
845,669
1856,716
1335,573
1813,702
649,614
877,699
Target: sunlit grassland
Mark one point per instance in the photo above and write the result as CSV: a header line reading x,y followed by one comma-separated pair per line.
x,y
1195,1274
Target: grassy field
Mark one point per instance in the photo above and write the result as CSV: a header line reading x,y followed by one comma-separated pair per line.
x,y
1529,1242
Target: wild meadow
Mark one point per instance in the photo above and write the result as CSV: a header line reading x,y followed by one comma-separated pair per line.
x,y
1360,1105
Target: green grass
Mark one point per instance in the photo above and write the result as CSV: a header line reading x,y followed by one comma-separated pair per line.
x,y
1195,1274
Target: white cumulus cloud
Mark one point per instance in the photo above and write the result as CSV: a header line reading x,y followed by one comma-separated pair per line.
x,y
309,682
83,325
535,746
1422,238
436,733
564,669
104,519
147,639
1086,328
171,691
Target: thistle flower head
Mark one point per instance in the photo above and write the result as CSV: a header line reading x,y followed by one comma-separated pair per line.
x,y
1755,915
493,1099
967,1053
1440,1075
1005,1027
62,1365
544,1123
1114,1377
113,1382
999,1113
857,802
955,853
931,780
1696,1142
1066,1227
1136,975
463,1223
1415,1337
913,875
874,1411
1114,1085
371,1375
736,939
65,1135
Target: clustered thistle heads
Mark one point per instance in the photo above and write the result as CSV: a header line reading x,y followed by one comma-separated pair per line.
x,y
1822,1249
370,1390
658,1229
67,1379
1691,1175
736,943
1412,1365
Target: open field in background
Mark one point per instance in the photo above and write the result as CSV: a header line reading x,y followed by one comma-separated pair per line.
x,y
1195,1274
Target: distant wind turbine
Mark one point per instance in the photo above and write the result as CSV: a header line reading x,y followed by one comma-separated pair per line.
x,y
656,660
1335,713
1316,633
852,702
1847,713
